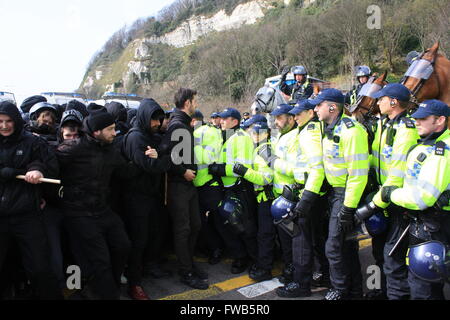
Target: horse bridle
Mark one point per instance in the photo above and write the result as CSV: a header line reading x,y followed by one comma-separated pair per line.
x,y
259,101
418,87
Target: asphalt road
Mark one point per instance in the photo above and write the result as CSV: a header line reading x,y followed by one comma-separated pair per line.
x,y
227,286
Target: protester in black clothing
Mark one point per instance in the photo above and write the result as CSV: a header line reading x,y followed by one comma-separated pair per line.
x,y
28,103
21,200
87,166
79,106
43,121
182,197
142,193
119,112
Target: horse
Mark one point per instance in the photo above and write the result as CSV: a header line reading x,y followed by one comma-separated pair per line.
x,y
266,100
366,106
428,77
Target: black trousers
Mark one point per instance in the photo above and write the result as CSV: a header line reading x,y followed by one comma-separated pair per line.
x,y
104,243
184,211
140,214
53,221
394,266
29,232
310,244
343,255
209,199
267,233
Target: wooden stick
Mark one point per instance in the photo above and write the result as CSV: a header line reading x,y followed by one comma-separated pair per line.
x,y
54,181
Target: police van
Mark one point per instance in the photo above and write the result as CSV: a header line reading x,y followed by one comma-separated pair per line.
x,y
129,100
63,97
7,96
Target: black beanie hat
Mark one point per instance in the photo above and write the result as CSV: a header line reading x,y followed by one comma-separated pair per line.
x,y
98,118
79,106
31,101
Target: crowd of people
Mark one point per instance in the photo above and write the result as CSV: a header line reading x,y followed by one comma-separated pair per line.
x,y
130,178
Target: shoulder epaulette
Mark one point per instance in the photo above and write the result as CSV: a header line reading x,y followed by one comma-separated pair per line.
x,y
409,122
440,148
348,123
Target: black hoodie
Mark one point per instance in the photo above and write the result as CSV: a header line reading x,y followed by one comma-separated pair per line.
x,y
87,167
134,146
179,120
25,152
119,112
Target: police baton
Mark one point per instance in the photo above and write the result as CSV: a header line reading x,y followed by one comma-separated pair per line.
x,y
54,181
399,240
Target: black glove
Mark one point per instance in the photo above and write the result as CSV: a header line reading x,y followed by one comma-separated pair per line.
x,y
285,71
240,169
217,169
366,211
346,219
442,201
386,193
303,207
9,173
266,153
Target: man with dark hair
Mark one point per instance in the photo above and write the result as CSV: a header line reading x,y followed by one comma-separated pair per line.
x,y
87,166
20,206
182,196
142,193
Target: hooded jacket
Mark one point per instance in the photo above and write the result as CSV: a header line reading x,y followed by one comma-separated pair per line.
x,y
179,120
87,167
119,112
134,145
25,152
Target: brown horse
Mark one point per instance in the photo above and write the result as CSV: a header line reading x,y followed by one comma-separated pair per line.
x,y
366,106
425,85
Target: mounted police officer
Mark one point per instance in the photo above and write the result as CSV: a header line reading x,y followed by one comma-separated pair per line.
x,y
301,89
362,76
346,163
394,136
425,192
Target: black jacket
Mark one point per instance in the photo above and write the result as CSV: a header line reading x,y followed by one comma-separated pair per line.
x,y
300,91
134,145
87,167
179,120
25,152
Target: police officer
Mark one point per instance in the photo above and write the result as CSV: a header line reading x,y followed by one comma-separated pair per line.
x,y
394,136
215,120
207,146
310,211
283,164
362,76
237,148
261,175
301,89
346,163
425,191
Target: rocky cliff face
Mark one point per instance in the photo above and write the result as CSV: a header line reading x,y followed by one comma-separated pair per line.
x,y
186,34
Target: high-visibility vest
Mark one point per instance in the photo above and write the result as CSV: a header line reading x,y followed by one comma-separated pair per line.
x,y
309,170
427,175
346,159
260,174
390,146
207,146
285,149
238,148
